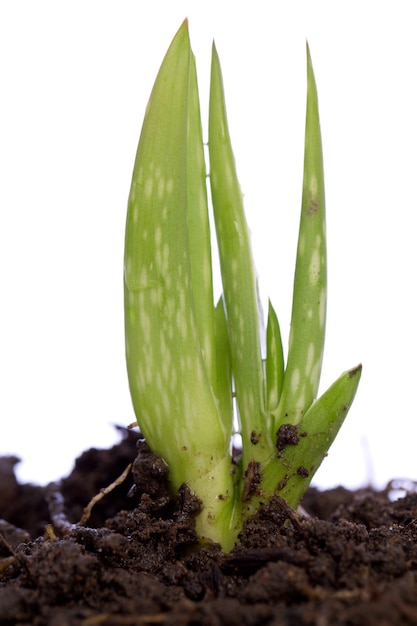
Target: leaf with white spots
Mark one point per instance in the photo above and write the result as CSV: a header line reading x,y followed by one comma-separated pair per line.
x,y
165,327
308,318
316,432
238,275
199,229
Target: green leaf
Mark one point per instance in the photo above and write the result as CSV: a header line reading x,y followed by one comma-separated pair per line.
x,y
222,383
308,318
316,433
238,275
199,229
274,360
167,346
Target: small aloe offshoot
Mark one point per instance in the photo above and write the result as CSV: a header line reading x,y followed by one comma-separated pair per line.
x,y
187,356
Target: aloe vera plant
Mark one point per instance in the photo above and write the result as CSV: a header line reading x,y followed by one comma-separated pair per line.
x,y
186,356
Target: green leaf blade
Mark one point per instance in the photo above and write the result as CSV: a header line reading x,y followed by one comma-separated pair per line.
x,y
199,230
308,320
222,383
274,360
171,394
238,273
316,432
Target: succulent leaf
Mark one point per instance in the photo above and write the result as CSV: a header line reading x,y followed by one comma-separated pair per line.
x,y
308,320
238,273
316,433
222,382
274,360
165,344
199,228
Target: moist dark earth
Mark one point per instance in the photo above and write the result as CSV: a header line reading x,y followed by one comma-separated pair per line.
x,y
351,559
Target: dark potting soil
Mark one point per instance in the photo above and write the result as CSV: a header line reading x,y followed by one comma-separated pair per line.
x,y
136,561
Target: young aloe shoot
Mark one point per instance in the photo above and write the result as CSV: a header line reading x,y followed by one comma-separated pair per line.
x,y
186,356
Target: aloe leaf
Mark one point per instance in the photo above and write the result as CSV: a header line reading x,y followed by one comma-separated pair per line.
x,y
238,274
308,318
199,229
301,448
170,388
316,433
222,382
274,360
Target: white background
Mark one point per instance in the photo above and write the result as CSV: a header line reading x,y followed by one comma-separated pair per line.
x,y
75,79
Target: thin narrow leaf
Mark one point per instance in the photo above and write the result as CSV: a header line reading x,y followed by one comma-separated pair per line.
x,y
316,433
199,229
222,383
307,332
274,360
237,269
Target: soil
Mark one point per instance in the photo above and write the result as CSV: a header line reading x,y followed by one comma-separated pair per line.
x,y
350,559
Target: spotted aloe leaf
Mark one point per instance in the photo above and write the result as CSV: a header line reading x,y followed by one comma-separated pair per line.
x,y
238,278
169,314
308,320
184,355
313,436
